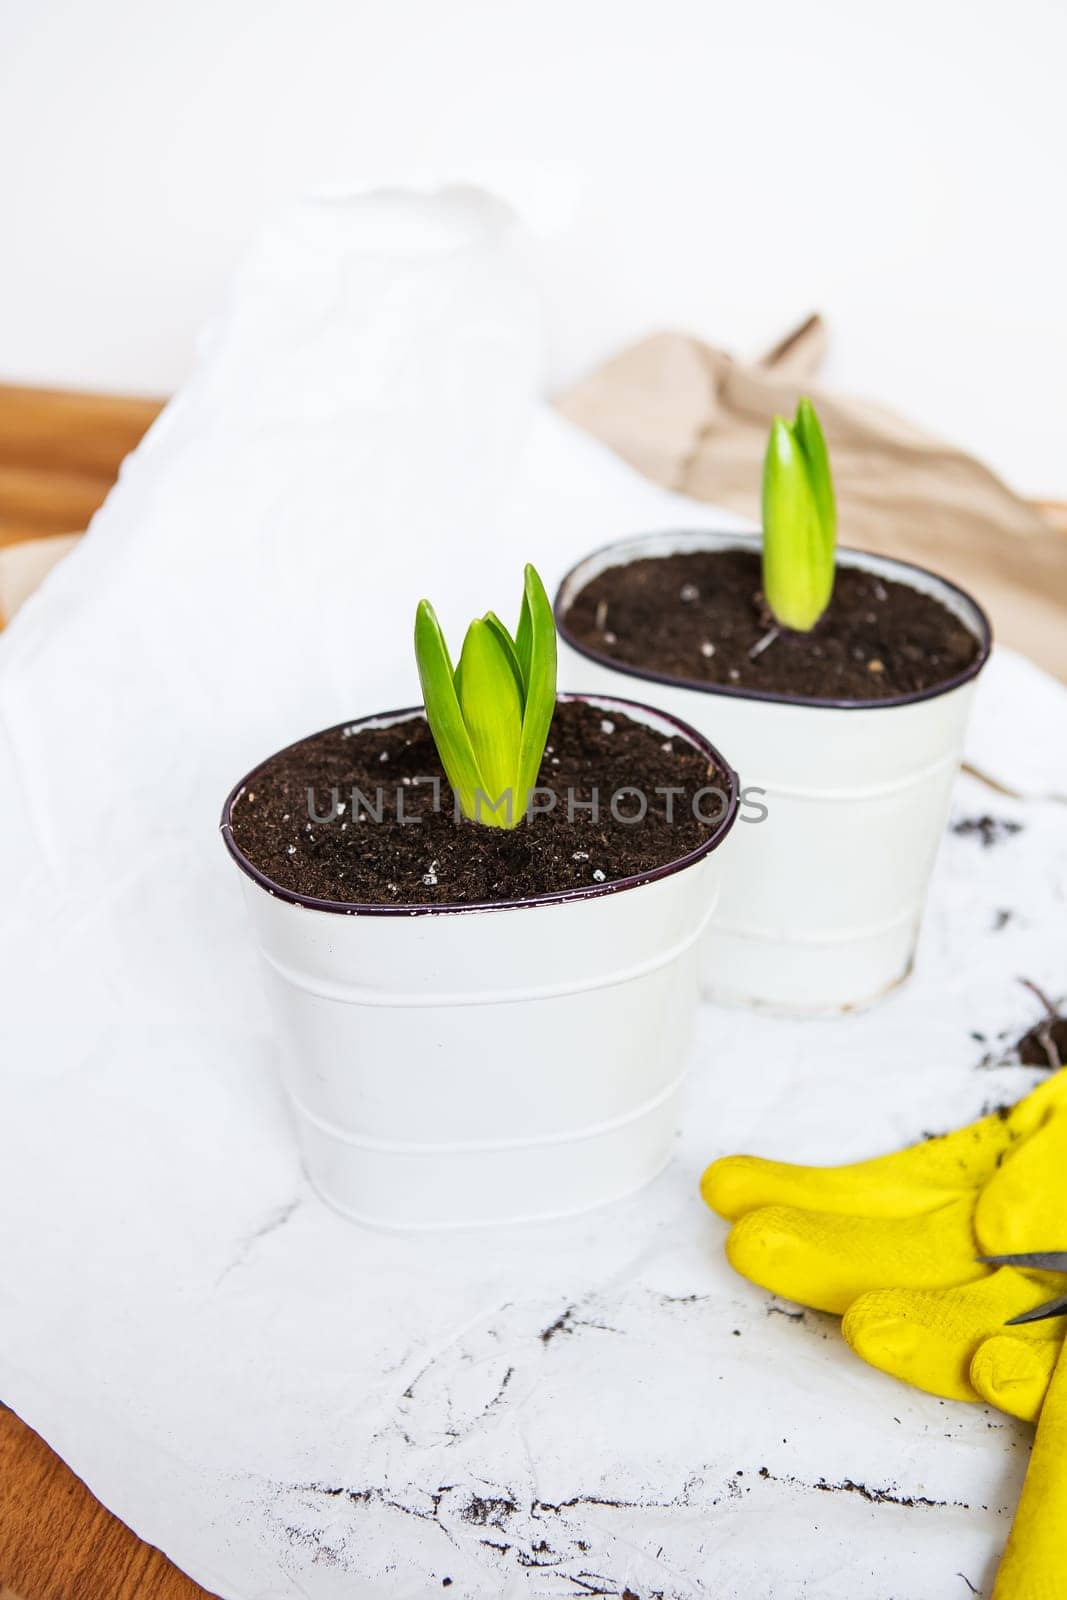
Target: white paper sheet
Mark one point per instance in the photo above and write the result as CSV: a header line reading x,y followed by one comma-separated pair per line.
x,y
295,1408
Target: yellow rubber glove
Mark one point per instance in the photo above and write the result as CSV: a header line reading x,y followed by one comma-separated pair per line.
x,y
935,1338
931,1336
892,1243
1014,1374
901,1184
878,1239
827,1261
1033,1566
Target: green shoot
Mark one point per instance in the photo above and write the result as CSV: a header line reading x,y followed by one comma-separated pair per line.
x,y
799,521
490,715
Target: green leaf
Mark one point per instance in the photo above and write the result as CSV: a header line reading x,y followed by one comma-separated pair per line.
x,y
794,577
490,700
443,711
536,650
807,430
524,632
490,716
507,644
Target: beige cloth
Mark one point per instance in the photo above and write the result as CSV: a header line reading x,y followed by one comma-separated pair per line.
x,y
694,419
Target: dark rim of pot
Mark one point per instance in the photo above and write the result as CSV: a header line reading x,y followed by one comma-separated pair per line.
x,y
593,891
983,633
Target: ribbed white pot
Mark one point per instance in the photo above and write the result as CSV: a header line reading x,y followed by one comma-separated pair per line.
x,y
822,900
454,1065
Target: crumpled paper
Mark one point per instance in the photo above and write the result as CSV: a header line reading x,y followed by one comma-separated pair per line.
x,y
295,1408
695,419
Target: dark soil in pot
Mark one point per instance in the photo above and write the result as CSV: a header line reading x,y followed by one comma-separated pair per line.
x,y
700,616
438,859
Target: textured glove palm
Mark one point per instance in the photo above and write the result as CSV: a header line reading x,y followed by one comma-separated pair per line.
x,y
893,1245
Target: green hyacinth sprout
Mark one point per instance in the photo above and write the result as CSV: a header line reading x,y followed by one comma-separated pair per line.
x,y
490,716
799,521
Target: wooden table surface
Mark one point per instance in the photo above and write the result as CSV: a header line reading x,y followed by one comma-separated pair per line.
x,y
59,454
58,1543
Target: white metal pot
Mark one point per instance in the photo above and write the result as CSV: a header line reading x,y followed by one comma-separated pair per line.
x,y
453,1065
822,898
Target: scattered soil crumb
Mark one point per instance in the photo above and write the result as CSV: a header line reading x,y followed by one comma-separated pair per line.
x,y
1045,1045
986,829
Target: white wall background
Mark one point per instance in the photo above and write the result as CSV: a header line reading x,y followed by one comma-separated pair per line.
x,y
723,167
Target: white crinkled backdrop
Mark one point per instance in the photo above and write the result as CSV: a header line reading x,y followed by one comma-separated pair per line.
x,y
292,1406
